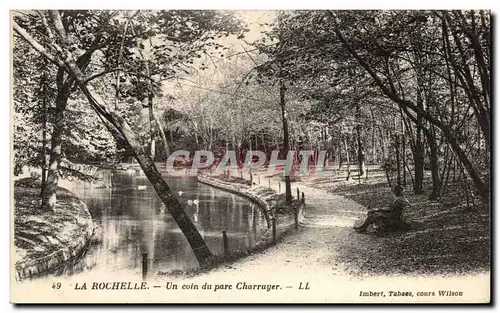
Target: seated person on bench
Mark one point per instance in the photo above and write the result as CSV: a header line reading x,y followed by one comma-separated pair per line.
x,y
393,212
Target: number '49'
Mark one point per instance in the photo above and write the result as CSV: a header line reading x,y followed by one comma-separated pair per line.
x,y
56,285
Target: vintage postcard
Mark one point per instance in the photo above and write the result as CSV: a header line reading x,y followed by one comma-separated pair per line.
x,y
231,156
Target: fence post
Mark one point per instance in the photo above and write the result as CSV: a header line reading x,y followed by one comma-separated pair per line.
x,y
297,207
303,198
279,187
269,181
144,266
258,178
298,195
225,243
273,219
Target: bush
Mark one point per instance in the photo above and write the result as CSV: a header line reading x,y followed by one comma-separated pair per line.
x,y
28,182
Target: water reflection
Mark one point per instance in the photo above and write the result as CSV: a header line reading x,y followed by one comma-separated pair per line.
x,y
133,220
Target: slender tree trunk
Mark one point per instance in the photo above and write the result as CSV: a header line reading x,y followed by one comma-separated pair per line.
x,y
210,134
398,161
161,131
433,148
263,142
119,61
444,178
284,117
152,133
196,137
43,82
454,169
171,137
403,150
374,149
156,129
418,154
340,154
388,176
49,198
382,144
348,159
481,186
361,154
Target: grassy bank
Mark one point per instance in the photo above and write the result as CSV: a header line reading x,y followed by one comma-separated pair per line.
x,y
39,233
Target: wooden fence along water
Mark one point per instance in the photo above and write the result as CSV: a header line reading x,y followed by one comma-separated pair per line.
x,y
299,207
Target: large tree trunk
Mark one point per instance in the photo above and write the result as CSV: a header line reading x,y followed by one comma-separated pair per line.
x,y
195,240
482,187
284,117
49,198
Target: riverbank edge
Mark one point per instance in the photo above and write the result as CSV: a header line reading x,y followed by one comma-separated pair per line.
x,y
241,190
265,239
54,260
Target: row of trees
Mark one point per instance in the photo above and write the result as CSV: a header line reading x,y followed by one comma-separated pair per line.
x,y
421,77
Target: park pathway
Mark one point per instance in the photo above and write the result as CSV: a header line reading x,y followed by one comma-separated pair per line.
x,y
323,208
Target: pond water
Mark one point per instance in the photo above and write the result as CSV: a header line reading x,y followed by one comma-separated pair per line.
x,y
132,220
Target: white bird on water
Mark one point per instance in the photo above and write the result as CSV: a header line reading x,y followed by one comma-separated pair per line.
x,y
180,193
195,215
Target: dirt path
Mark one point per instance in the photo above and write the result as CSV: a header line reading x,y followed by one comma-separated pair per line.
x,y
312,249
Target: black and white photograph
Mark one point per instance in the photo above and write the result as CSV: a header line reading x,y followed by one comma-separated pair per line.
x,y
250,156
